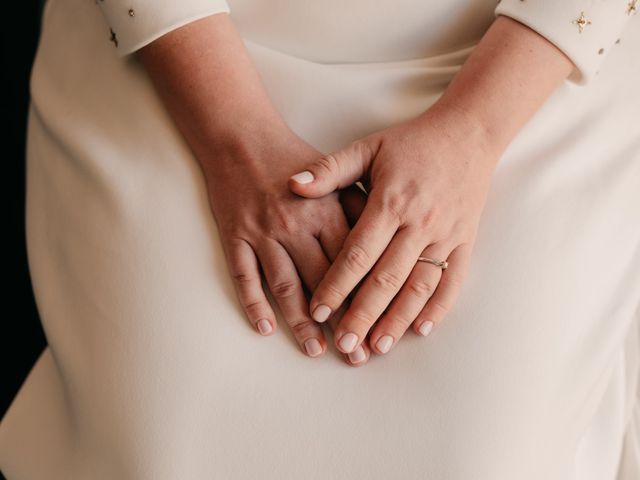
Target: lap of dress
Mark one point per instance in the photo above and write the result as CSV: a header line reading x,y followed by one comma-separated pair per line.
x,y
152,371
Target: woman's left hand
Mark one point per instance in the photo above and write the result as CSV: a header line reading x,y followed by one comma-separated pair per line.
x,y
427,179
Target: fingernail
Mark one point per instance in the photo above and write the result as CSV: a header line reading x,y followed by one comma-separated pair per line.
x,y
426,327
303,177
348,342
384,343
264,326
321,313
358,355
313,347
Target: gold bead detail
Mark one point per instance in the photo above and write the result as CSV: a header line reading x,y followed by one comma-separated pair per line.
x,y
113,37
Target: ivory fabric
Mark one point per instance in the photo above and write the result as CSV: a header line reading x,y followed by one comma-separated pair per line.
x,y
585,37
152,371
585,30
136,23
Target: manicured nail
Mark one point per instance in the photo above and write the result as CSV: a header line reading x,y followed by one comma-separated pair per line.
x,y
384,343
313,347
303,177
348,342
264,326
321,313
358,355
426,327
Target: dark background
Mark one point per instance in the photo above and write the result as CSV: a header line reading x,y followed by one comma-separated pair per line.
x,y
22,337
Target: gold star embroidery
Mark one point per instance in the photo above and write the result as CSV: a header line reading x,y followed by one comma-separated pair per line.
x,y
113,37
631,7
581,22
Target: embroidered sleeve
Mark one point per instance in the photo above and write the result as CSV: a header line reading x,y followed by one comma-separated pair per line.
x,y
585,30
132,24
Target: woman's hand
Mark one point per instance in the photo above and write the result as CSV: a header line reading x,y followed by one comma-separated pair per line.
x,y
246,151
427,179
266,229
218,103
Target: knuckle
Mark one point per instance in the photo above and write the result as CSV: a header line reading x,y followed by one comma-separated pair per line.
x,y
301,328
427,220
394,204
238,235
242,278
398,322
284,288
286,223
386,280
422,288
328,163
332,291
359,321
462,232
236,245
235,237
254,309
357,259
441,307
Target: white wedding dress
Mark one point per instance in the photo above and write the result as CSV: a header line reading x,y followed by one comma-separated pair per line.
x,y
152,371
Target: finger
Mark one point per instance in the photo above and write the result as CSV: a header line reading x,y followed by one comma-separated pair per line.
x,y
332,238
309,259
247,280
360,355
446,292
362,248
286,288
333,235
379,288
413,296
312,264
353,200
334,170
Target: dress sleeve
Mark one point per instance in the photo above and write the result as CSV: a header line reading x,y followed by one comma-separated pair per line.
x,y
133,24
585,30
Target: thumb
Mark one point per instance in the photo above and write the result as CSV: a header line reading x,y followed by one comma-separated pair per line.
x,y
333,171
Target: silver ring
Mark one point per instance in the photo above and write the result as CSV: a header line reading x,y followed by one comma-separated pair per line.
x,y
438,263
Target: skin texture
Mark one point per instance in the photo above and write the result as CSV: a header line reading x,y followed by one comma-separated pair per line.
x,y
453,147
298,235
247,152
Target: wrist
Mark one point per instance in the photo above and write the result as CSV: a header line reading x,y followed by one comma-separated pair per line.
x,y
247,137
463,124
507,77
263,154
